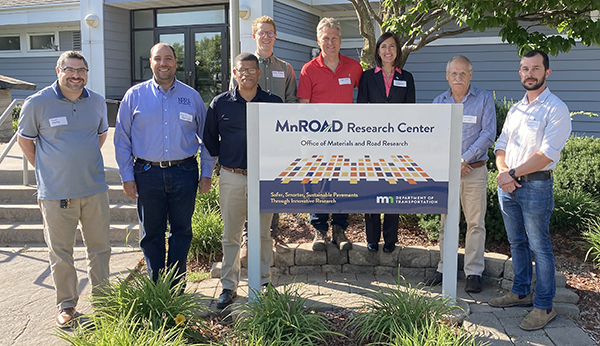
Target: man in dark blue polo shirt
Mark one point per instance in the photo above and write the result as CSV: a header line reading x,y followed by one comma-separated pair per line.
x,y
225,137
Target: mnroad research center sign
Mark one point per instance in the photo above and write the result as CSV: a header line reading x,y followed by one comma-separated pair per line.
x,y
354,158
366,158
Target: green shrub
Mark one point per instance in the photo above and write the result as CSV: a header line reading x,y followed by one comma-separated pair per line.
x,y
207,225
16,111
431,223
577,169
494,224
592,238
281,318
572,209
502,108
402,308
154,305
122,331
434,334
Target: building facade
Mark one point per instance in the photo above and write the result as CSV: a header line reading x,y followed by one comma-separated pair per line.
x,y
116,35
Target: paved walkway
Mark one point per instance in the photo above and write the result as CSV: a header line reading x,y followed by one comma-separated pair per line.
x,y
28,310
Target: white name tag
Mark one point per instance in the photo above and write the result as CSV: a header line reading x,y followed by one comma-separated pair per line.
x,y
278,74
186,117
532,124
400,83
470,119
344,81
60,121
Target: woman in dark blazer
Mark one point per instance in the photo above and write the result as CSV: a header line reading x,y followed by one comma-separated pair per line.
x,y
386,83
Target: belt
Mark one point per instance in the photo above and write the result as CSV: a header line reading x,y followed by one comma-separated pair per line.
x,y
236,170
166,164
539,176
477,164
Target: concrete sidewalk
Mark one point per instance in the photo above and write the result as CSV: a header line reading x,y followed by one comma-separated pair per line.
x,y
27,293
29,309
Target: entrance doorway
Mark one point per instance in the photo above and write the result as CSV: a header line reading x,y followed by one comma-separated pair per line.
x,y
199,36
201,61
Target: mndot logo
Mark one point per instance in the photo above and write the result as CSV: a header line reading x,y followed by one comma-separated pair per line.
x,y
384,199
309,126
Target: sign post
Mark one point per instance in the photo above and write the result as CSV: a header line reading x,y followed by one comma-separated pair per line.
x,y
354,158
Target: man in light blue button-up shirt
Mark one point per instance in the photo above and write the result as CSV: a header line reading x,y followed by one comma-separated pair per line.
x,y
158,134
478,135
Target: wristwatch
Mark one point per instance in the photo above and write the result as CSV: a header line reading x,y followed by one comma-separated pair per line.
x,y
512,174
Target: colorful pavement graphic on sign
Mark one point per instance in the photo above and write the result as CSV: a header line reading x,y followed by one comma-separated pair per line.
x,y
316,168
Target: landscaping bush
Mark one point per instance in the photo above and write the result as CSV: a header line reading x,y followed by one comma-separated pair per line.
x,y
403,308
281,318
122,331
207,225
434,334
592,237
16,111
577,169
157,305
572,210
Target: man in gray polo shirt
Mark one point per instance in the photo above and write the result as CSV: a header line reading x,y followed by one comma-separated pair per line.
x,y
61,130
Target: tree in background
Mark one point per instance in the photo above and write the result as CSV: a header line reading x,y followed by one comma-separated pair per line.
x,y
420,22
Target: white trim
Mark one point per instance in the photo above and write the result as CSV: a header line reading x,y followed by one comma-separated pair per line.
x,y
11,51
26,15
302,6
295,39
24,32
341,15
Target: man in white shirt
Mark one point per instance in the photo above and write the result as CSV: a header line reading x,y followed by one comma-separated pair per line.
x,y
535,131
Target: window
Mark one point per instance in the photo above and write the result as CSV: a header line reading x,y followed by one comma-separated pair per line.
x,y
8,43
42,42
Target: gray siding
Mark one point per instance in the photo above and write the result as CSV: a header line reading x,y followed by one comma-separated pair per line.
x,y
575,77
294,21
117,51
38,70
294,54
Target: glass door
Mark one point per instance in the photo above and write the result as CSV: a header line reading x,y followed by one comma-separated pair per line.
x,y
201,57
178,41
210,65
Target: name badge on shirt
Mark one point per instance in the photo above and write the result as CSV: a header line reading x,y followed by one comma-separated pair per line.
x,y
186,117
344,81
60,121
278,74
470,119
400,83
533,124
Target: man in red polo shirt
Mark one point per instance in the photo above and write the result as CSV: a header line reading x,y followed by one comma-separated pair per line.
x,y
329,78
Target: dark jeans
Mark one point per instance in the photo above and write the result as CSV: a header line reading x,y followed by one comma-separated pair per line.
x,y
319,221
166,195
390,228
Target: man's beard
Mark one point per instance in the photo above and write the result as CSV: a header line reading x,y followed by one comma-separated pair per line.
x,y
534,87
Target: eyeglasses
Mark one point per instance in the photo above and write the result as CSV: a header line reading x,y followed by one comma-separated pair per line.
x,y
269,34
456,74
251,70
71,71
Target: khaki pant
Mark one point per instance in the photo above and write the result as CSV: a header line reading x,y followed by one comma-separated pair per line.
x,y
473,202
60,227
233,198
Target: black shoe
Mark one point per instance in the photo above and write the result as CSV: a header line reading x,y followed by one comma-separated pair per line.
x,y
473,284
226,298
389,248
373,247
434,280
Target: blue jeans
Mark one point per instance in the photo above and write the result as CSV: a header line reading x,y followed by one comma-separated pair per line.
x,y
166,195
319,221
526,213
